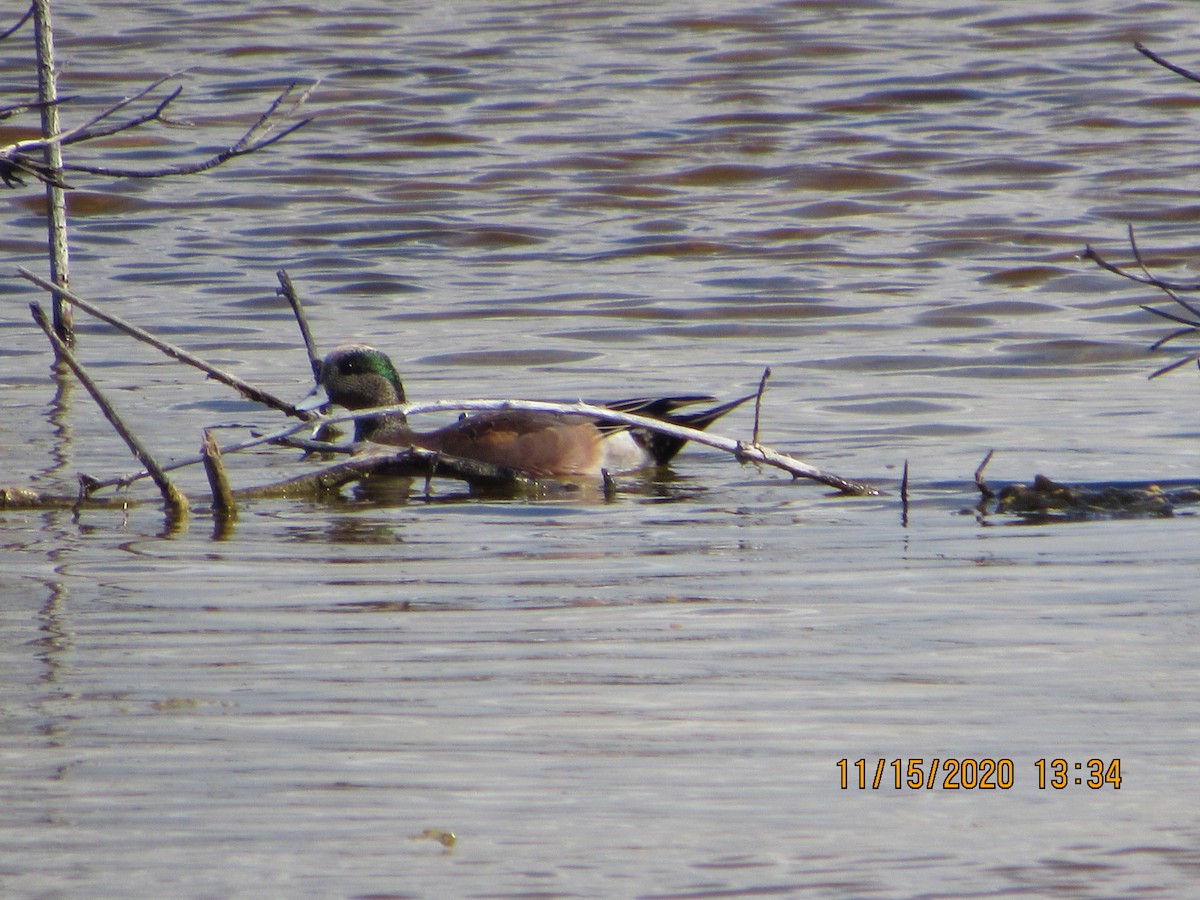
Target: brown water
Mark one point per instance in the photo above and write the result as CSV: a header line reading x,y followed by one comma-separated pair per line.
x,y
884,202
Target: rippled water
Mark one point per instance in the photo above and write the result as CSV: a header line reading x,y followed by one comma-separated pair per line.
x,y
884,202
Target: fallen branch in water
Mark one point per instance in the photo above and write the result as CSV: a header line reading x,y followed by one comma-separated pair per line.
x,y
746,452
415,463
177,503
247,390
223,503
472,470
406,462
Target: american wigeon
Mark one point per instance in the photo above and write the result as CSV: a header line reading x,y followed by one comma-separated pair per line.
x,y
539,444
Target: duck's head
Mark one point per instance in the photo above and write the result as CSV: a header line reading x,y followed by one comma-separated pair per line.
x,y
358,376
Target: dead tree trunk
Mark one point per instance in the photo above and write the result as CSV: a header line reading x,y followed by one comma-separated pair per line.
x,y
56,202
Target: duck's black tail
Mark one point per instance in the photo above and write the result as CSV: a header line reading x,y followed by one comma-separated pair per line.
x,y
664,447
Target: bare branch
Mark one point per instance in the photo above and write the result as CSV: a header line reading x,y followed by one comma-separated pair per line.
x,y
15,162
241,148
1170,66
1179,363
88,130
1090,253
246,389
1162,342
1170,289
471,470
14,168
406,462
762,386
258,136
1192,325
748,452
175,500
1164,287
7,112
289,291
21,158
25,18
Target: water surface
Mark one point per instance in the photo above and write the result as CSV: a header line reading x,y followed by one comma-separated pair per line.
x,y
883,202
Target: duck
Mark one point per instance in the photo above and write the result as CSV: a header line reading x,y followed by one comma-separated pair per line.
x,y
535,444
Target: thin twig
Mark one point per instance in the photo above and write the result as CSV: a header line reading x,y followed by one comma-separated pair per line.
x,y
7,112
176,502
88,130
1154,57
283,436
246,389
256,138
1193,325
986,491
1157,282
1090,253
25,18
14,157
762,386
239,149
1169,288
289,291
1179,363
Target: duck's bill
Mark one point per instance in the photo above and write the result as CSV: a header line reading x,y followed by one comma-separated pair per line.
x,y
315,400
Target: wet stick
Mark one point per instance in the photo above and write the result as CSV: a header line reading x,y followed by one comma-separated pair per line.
x,y
177,503
289,291
986,494
278,437
758,397
224,507
409,462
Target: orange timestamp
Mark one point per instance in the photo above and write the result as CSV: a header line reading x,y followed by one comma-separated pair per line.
x,y
971,774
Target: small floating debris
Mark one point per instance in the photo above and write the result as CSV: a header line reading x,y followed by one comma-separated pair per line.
x,y
1049,500
446,838
1045,498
